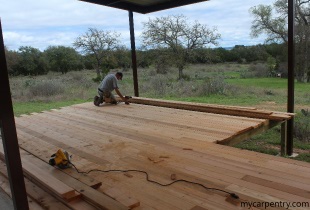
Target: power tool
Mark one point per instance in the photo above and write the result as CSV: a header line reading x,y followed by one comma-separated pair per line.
x,y
61,159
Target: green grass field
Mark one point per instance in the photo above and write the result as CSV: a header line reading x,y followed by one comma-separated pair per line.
x,y
39,106
214,84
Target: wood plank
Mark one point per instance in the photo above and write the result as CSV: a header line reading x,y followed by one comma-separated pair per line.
x,y
122,197
165,115
198,208
44,178
31,145
41,177
44,199
212,109
5,201
278,186
249,194
89,194
5,186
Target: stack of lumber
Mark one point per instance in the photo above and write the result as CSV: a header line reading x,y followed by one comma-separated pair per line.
x,y
217,109
38,199
51,188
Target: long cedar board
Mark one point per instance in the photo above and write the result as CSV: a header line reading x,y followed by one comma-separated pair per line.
x,y
36,194
44,178
89,194
5,188
123,199
33,172
217,109
26,145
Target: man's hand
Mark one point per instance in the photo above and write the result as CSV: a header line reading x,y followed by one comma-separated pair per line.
x,y
126,100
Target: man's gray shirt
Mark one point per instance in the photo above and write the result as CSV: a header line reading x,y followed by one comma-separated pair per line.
x,y
109,83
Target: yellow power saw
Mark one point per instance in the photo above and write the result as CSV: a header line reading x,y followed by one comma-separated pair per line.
x,y
61,159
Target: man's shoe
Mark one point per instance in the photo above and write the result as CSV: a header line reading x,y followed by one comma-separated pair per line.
x,y
96,101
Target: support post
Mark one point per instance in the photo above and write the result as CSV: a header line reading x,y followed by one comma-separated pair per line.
x,y
291,74
284,138
9,136
133,54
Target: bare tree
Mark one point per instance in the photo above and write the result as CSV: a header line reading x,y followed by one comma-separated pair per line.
x,y
274,24
179,36
98,43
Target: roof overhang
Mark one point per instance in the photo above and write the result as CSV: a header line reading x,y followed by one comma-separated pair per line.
x,y
143,6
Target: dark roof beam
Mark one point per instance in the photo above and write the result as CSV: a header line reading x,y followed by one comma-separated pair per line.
x,y
143,8
170,5
118,5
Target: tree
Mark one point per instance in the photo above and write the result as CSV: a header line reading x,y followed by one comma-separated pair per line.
x,y
63,59
31,62
179,36
123,58
12,58
144,58
275,26
98,43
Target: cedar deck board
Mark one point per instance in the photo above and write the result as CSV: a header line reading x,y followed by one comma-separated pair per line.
x,y
43,177
92,135
97,199
36,194
214,130
228,110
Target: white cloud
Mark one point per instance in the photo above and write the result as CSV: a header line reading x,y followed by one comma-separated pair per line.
x,y
58,22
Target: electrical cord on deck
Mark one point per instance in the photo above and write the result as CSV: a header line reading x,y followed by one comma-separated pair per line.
x,y
233,195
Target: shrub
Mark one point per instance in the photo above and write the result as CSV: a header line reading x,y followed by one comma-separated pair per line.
x,y
269,92
29,82
302,126
46,88
79,79
75,76
255,70
182,88
185,77
214,85
85,83
152,73
97,79
158,84
162,65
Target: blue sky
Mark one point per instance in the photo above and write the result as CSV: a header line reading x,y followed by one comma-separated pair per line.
x,y
41,23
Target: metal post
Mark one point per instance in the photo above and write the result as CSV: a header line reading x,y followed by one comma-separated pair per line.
x,y
9,136
291,74
284,138
133,54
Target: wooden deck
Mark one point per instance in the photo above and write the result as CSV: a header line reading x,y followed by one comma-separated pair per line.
x,y
161,141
